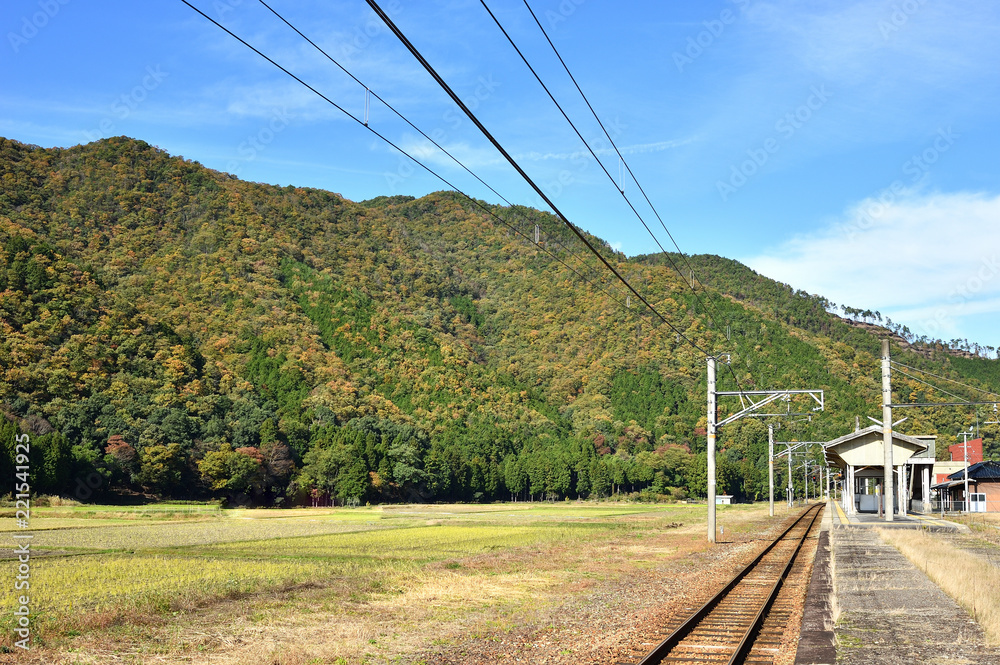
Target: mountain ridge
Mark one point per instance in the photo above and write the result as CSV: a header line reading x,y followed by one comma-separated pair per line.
x,y
183,332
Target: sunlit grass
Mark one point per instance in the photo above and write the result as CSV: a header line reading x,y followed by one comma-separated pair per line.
x,y
128,567
121,536
423,543
118,580
63,585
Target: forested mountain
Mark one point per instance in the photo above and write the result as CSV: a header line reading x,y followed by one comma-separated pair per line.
x,y
170,329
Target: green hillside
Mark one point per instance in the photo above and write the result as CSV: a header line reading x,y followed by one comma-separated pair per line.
x,y
168,329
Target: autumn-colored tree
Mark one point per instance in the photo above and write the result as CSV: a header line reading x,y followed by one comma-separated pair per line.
x,y
269,341
121,460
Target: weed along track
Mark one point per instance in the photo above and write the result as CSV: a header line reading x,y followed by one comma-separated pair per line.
x,y
746,621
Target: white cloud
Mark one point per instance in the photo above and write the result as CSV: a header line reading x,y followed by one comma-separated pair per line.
x,y
639,148
859,42
930,261
472,157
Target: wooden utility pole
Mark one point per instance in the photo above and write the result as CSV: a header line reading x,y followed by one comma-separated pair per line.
x,y
711,449
887,431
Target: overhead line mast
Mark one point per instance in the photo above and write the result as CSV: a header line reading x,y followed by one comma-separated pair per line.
x,y
769,396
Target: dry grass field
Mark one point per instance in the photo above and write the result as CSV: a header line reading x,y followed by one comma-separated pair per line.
x,y
364,585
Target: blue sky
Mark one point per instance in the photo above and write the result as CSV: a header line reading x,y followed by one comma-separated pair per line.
x,y
846,148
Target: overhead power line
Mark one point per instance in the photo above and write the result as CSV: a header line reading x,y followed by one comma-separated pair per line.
x,y
517,167
944,378
594,271
513,209
621,190
919,380
624,163
578,133
350,115
707,308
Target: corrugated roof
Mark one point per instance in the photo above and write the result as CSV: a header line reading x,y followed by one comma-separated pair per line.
x,y
979,471
952,483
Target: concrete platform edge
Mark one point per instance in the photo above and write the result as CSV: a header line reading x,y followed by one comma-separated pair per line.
x,y
817,642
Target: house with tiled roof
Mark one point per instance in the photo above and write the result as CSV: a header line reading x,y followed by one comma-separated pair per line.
x,y
984,488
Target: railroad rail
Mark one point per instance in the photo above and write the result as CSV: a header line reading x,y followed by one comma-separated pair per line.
x,y
730,627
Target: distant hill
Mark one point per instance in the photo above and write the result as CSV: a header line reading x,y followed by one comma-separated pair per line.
x,y
170,329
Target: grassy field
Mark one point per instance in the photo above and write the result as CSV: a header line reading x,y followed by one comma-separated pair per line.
x,y
102,577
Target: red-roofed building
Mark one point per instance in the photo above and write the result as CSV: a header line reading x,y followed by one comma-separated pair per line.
x,y
943,468
975,451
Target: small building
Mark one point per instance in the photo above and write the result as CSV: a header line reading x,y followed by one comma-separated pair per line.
x,y
944,468
860,456
984,489
723,499
973,449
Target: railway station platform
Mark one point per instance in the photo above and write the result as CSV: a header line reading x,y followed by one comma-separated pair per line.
x,y
867,603
911,521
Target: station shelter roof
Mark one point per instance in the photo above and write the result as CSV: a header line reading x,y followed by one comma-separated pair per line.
x,y
865,447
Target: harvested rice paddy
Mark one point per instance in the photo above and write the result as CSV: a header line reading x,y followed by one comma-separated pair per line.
x,y
95,568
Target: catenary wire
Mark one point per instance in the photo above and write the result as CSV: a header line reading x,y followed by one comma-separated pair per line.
x,y
621,191
938,376
538,190
919,380
583,140
627,168
477,203
595,272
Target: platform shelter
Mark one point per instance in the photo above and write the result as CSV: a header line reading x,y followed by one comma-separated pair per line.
x,y
860,456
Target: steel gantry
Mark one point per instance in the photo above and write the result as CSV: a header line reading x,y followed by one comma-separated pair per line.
x,y
750,408
792,449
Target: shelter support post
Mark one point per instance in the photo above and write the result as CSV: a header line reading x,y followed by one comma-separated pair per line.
x,y
926,477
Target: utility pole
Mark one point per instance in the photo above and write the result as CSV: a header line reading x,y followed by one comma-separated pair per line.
x,y
965,446
749,408
770,469
790,491
887,430
711,449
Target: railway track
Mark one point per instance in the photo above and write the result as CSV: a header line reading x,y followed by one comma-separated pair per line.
x,y
742,623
